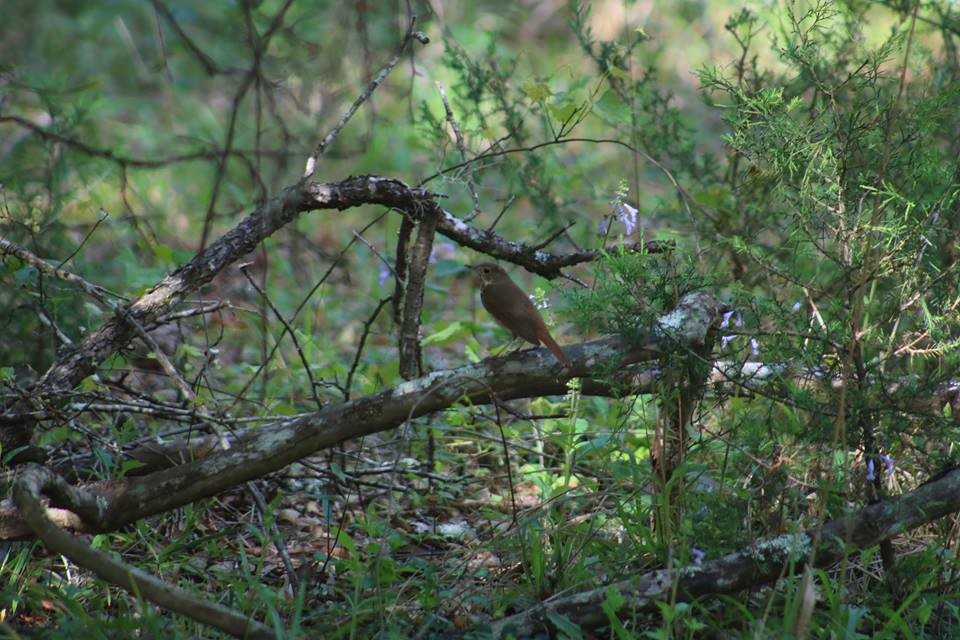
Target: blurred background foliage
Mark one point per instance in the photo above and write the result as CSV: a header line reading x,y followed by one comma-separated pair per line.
x,y
802,155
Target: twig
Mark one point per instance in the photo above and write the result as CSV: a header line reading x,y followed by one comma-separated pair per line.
x,y
363,339
503,210
685,197
185,391
458,135
83,242
553,236
277,537
206,61
375,252
506,460
96,292
289,330
189,313
47,321
363,97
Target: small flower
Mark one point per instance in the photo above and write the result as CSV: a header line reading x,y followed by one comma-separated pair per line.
x,y
796,307
627,215
441,250
603,226
870,475
725,340
887,463
697,556
384,273
754,347
734,315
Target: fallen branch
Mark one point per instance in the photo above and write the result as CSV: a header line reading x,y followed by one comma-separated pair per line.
x,y
27,491
763,562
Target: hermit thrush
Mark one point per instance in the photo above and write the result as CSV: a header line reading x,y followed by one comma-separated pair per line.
x,y
511,307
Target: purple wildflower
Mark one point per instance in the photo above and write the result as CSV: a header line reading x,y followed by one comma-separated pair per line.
x,y
441,250
887,463
627,215
697,556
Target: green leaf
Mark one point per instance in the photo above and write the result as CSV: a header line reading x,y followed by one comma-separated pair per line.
x,y
284,409
536,91
24,275
9,455
55,435
611,107
594,445
564,111
444,335
565,624
129,465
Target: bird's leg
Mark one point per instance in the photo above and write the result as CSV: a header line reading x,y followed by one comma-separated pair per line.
x,y
519,348
506,349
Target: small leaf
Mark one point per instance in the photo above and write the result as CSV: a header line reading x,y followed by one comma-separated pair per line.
x,y
444,335
129,465
284,409
612,107
565,625
536,91
24,275
563,112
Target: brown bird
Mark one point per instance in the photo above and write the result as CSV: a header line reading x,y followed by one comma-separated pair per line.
x,y
511,307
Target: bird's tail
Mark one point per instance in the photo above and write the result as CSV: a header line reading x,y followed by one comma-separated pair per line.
x,y
555,349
